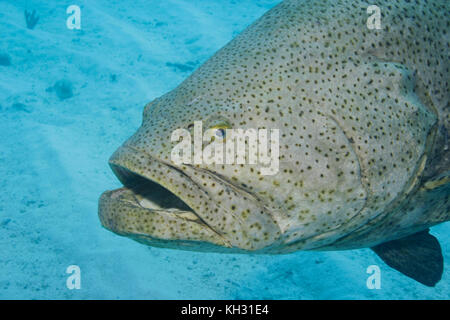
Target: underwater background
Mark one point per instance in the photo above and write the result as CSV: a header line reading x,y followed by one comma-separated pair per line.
x,y
68,99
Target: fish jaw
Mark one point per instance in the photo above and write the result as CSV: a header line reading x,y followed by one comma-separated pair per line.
x,y
121,212
164,206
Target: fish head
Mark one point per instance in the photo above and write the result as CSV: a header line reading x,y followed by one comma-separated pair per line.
x,y
353,141
192,204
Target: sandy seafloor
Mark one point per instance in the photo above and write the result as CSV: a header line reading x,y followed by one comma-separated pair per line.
x,y
53,161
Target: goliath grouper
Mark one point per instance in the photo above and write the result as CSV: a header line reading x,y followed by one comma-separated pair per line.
x,y
363,119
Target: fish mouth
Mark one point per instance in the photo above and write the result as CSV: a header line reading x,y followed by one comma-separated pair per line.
x,y
153,206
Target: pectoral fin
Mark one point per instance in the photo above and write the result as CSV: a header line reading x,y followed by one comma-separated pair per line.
x,y
418,256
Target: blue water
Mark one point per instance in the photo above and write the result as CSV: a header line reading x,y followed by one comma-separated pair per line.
x,y
68,99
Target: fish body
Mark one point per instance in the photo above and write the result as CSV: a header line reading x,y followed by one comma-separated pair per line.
x,y
363,122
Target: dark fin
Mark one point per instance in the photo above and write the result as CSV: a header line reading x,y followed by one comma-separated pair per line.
x,y
417,256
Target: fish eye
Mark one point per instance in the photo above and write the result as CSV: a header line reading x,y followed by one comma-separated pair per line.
x,y
220,130
220,133
217,127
